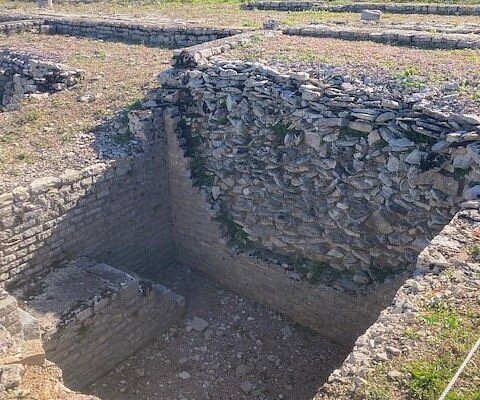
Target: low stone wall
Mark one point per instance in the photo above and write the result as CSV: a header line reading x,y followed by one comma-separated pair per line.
x,y
94,316
23,74
431,27
441,9
195,55
393,36
117,212
132,31
11,27
446,273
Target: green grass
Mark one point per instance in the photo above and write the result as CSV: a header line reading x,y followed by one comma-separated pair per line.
x,y
475,250
409,77
256,38
476,96
441,314
427,379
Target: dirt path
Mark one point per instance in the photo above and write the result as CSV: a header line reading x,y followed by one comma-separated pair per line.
x,y
226,348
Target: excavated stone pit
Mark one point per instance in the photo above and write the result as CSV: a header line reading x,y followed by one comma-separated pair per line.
x,y
307,197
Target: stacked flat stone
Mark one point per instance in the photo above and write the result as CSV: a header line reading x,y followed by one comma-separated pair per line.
x,y
441,9
23,74
392,36
132,31
344,172
11,27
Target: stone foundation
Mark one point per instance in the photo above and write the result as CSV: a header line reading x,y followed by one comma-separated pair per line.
x,y
200,243
23,74
131,31
391,35
11,27
440,9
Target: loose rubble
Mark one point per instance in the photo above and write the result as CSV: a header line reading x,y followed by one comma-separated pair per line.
x,y
241,350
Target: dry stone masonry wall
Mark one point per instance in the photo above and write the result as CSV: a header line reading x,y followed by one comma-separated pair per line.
x,y
201,243
23,74
442,9
131,31
11,27
334,170
445,274
386,34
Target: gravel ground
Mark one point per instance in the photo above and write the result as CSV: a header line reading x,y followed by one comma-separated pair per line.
x,y
227,348
76,127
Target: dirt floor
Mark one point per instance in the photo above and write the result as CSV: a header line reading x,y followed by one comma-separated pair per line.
x,y
227,348
72,129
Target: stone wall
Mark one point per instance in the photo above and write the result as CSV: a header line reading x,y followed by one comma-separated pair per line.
x,y
336,171
23,74
94,316
11,27
446,273
116,212
201,243
132,31
442,9
391,35
22,355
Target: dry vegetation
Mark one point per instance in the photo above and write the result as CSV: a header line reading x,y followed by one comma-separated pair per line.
x,y
222,13
50,134
415,68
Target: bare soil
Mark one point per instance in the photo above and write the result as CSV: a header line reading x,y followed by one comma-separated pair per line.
x,y
245,352
367,57
222,13
50,134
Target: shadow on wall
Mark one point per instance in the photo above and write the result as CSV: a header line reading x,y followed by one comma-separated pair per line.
x,y
116,212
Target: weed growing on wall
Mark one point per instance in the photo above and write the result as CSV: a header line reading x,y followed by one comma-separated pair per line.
x,y
313,271
237,237
200,175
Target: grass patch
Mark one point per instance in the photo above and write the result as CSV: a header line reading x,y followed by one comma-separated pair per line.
x,y
427,379
476,96
256,38
409,77
475,250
